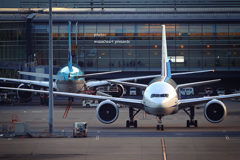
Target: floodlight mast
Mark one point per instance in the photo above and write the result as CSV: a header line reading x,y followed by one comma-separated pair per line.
x,y
50,127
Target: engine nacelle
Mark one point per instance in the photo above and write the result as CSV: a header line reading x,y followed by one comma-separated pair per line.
x,y
215,111
120,92
107,112
23,94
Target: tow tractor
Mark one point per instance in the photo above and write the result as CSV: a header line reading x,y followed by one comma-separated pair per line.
x,y
80,129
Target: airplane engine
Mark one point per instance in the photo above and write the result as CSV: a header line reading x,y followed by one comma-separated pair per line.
x,y
107,112
27,96
215,111
120,92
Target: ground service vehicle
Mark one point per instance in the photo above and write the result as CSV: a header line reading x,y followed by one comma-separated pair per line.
x,y
133,91
80,129
208,91
89,103
220,91
189,91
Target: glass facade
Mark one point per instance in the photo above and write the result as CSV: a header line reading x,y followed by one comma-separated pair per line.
x,y
12,41
137,46
12,47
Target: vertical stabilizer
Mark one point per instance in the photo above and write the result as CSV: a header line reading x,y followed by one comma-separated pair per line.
x,y
166,70
69,48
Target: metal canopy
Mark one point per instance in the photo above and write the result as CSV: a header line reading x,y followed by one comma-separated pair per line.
x,y
119,3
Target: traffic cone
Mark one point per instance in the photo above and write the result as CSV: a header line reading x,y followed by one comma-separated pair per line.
x,y
70,108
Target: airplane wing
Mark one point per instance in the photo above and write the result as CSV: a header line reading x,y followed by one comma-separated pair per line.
x,y
39,83
125,101
196,83
196,101
142,86
158,75
96,74
41,75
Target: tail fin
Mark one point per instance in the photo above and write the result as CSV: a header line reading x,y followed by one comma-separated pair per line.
x,y
166,69
69,49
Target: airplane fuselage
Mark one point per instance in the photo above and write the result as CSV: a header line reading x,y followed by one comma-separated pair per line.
x,y
73,86
69,82
160,98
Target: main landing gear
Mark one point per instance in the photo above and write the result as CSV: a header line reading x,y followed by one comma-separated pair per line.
x,y
191,122
160,125
132,122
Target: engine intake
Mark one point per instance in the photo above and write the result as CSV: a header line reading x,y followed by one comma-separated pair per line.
x,y
107,112
23,94
215,111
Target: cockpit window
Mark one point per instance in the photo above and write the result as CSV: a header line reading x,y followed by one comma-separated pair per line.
x,y
159,95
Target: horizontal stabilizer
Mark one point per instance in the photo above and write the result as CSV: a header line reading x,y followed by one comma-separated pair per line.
x,y
182,73
41,75
196,83
142,86
158,75
96,74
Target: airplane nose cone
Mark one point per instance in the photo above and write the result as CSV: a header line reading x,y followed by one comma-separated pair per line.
x,y
165,107
163,103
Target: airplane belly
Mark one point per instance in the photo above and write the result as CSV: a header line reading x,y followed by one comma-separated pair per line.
x,y
159,111
70,86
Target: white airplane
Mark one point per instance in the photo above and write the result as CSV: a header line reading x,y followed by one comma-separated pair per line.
x,y
160,98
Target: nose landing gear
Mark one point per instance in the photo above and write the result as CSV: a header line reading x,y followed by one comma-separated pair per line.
x,y
160,125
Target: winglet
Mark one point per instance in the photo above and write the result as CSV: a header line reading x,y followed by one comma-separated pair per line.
x,y
166,69
69,48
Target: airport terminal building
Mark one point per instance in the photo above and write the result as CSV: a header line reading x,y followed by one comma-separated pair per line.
x,y
122,35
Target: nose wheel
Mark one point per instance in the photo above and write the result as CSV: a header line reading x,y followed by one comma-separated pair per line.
x,y
160,126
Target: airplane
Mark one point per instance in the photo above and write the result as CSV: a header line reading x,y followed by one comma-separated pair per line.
x,y
159,99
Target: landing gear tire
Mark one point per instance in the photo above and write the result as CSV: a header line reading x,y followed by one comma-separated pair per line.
x,y
188,124
135,124
158,127
127,124
162,128
195,123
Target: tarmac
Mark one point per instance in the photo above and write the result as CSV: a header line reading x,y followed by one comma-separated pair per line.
x,y
219,141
